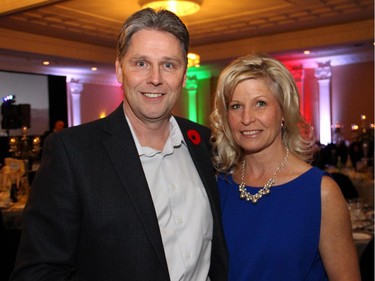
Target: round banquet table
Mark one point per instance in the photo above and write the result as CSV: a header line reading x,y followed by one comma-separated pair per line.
x,y
365,188
12,212
361,240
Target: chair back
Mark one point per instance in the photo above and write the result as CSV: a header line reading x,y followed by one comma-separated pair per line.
x,y
346,185
366,262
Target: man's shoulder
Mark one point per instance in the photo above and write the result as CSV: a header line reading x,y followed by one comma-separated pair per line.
x,y
111,123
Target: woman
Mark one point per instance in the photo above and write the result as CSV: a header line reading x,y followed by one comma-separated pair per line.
x,y
283,219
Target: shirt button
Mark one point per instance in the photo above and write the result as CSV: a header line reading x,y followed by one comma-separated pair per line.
x,y
180,220
173,187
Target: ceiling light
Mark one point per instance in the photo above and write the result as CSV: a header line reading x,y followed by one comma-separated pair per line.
x,y
194,60
46,62
179,7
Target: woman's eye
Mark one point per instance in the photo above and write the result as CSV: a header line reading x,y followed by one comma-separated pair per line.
x,y
234,106
261,103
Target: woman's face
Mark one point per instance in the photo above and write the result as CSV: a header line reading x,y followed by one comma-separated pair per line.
x,y
255,116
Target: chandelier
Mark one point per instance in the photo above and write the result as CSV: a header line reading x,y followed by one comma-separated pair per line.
x,y
179,7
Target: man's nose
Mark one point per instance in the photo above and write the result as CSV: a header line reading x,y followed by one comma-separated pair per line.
x,y
154,76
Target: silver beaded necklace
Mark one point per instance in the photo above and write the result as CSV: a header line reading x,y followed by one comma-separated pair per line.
x,y
244,194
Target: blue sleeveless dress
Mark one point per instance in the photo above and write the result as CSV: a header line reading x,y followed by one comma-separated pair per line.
x,y
278,237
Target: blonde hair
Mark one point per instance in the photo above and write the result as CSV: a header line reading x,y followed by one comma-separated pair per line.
x,y
297,135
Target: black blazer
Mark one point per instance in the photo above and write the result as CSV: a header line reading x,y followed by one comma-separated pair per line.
x,y
90,214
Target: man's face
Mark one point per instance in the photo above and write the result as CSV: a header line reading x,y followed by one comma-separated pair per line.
x,y
152,73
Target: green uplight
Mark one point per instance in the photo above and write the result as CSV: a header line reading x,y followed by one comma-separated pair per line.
x,y
191,88
194,74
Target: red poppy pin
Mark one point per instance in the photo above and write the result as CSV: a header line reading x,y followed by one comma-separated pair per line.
x,y
194,136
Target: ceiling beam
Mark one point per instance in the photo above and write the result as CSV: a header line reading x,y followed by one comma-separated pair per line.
x,y
319,37
299,40
54,47
15,6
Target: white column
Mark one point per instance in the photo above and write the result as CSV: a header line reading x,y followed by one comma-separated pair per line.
x,y
323,73
75,90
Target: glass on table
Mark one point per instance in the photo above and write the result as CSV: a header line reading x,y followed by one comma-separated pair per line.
x,y
356,211
361,216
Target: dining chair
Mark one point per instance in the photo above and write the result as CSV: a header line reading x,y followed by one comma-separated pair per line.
x,y
346,185
4,271
366,262
9,240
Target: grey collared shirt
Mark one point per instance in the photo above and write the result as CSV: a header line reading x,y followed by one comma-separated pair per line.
x,y
181,205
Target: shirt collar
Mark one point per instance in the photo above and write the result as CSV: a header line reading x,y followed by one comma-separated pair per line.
x,y
175,139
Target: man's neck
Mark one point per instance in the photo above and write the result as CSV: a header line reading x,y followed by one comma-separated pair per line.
x,y
150,134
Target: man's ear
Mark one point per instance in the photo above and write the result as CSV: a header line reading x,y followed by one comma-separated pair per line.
x,y
185,76
118,71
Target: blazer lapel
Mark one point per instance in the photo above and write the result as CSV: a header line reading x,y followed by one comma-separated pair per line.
x,y
123,153
201,157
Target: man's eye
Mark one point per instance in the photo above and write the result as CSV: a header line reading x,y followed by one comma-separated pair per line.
x,y
169,65
141,63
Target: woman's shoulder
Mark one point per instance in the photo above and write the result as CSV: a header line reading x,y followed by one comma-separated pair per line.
x,y
330,188
299,169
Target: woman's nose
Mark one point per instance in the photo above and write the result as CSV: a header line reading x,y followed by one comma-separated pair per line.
x,y
247,117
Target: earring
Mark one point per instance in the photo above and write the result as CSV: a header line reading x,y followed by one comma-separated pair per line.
x,y
282,124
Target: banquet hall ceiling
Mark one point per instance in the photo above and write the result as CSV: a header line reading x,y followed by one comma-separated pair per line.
x,y
32,27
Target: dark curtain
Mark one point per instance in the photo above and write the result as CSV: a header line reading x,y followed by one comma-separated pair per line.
x,y
57,94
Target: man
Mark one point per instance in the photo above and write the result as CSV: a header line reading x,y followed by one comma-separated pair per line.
x,y
57,127
131,196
